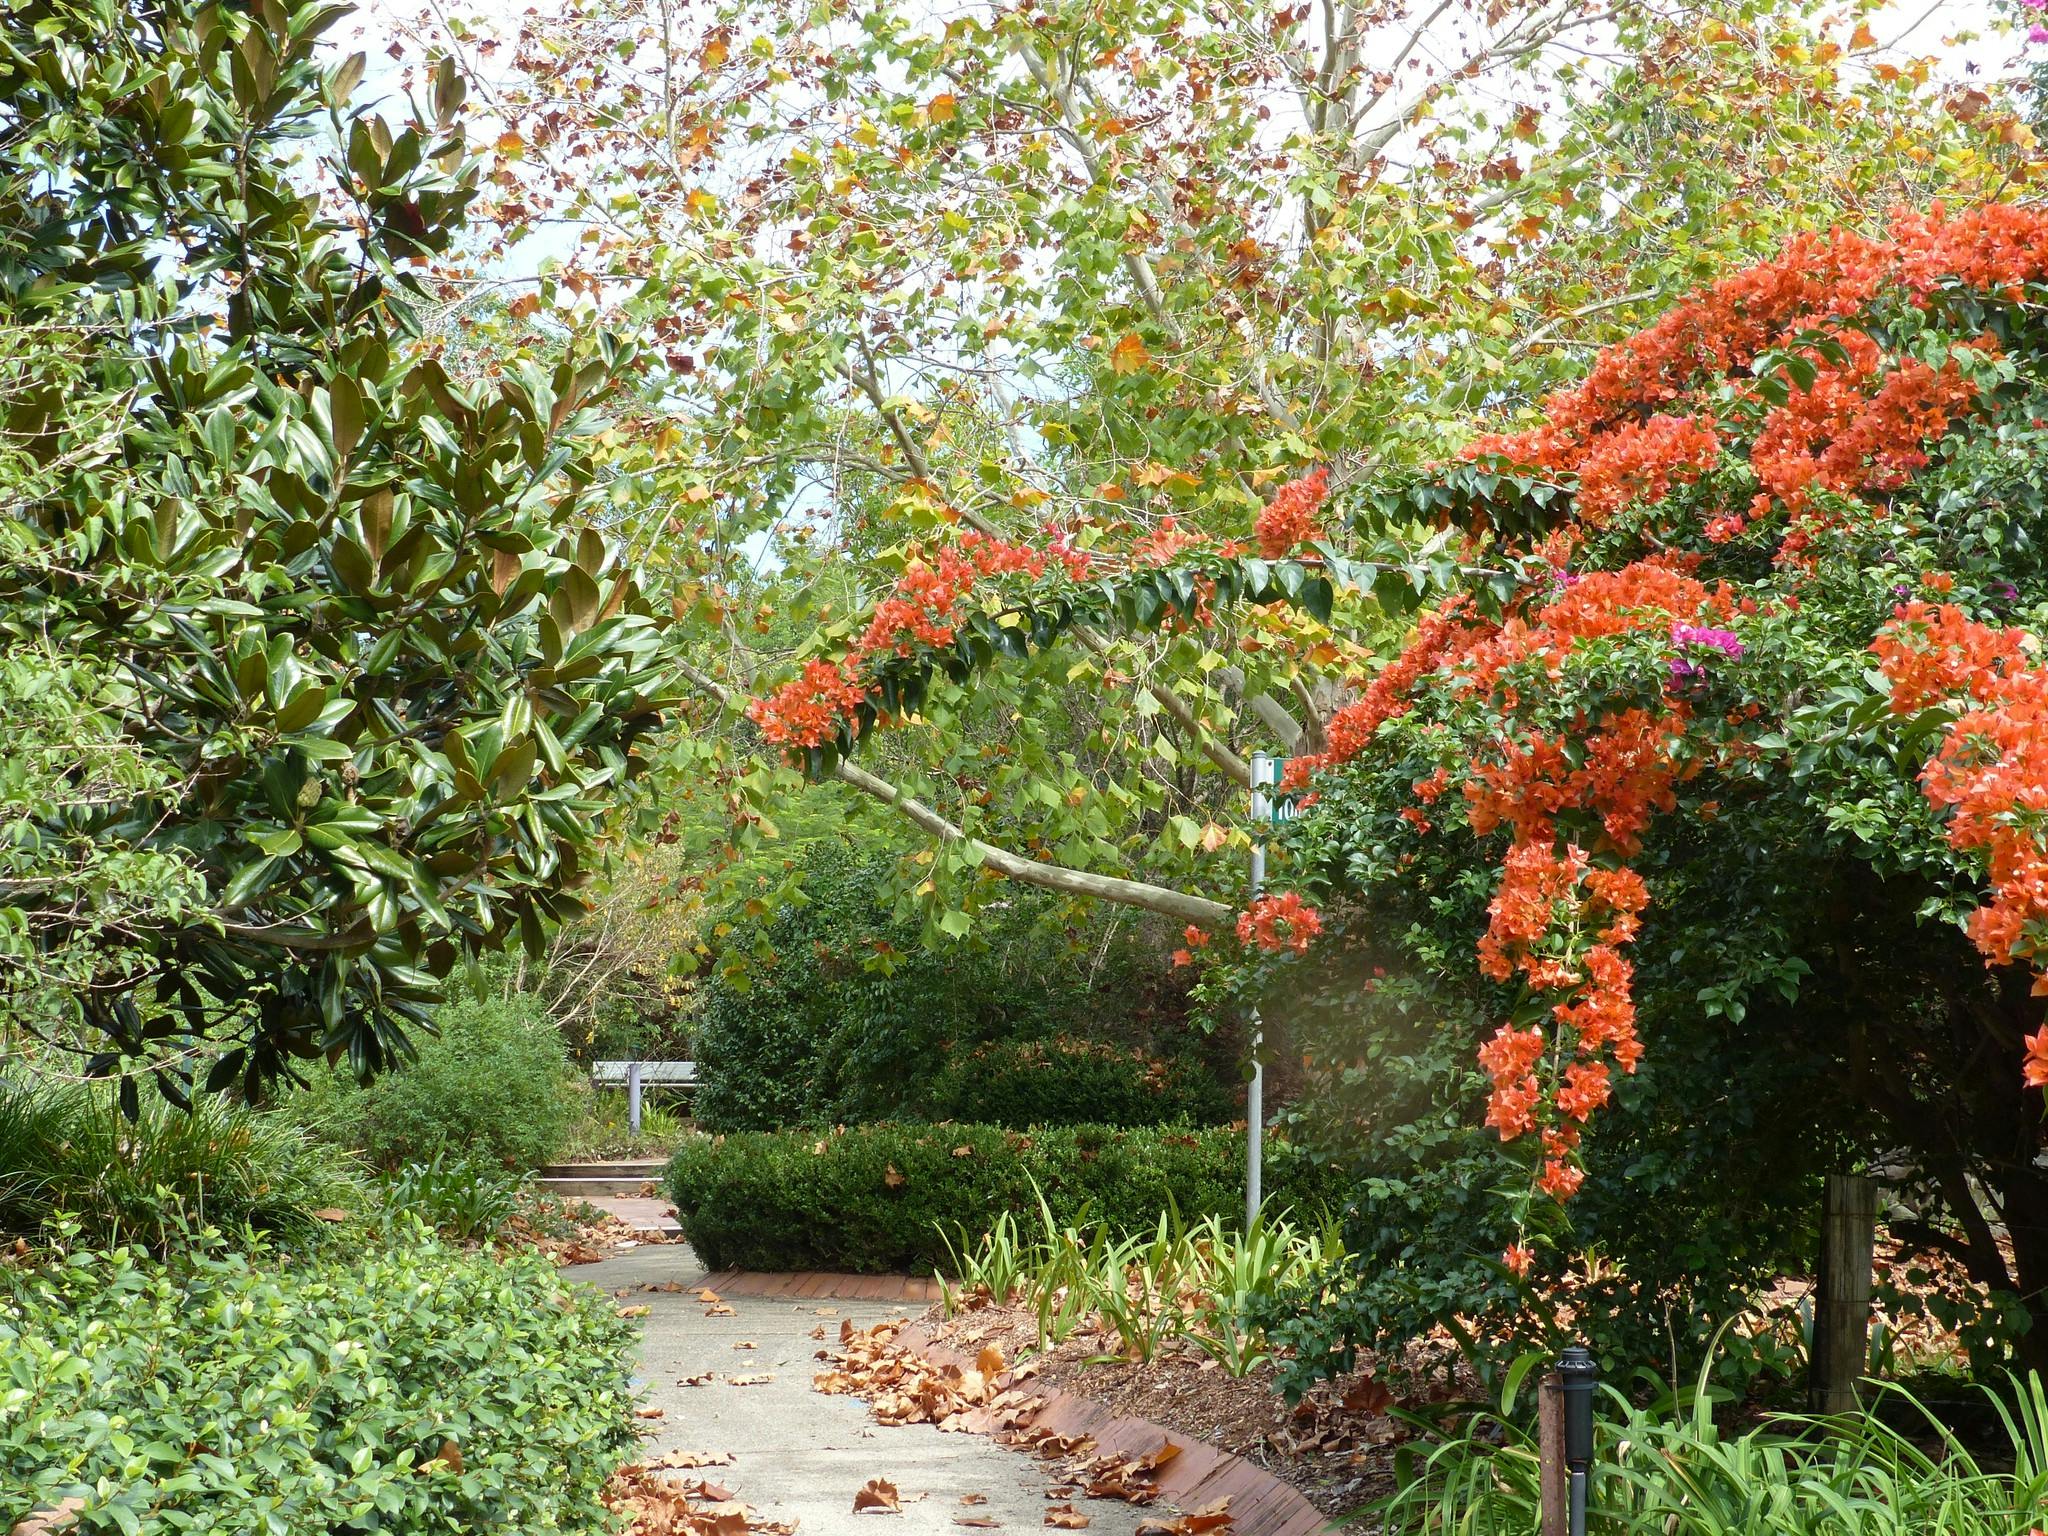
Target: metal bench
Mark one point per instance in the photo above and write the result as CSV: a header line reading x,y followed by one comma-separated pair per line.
x,y
635,1075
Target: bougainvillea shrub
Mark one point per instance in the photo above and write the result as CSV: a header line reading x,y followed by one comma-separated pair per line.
x,y
1759,761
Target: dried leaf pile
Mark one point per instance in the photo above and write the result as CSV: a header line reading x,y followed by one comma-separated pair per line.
x,y
653,1502
903,1387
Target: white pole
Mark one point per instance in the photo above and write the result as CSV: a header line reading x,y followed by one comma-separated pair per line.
x,y
1255,1094
633,1096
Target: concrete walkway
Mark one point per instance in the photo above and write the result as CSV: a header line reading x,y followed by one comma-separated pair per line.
x,y
798,1454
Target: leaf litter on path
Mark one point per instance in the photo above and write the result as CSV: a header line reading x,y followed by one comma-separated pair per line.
x,y
653,1504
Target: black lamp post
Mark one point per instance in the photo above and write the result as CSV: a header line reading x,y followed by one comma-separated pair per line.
x,y
1578,1376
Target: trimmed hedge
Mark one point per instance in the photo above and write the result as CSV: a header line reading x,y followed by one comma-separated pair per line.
x,y
219,1396
884,1198
1065,1081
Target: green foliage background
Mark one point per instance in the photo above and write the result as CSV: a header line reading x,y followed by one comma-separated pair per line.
x,y
825,1007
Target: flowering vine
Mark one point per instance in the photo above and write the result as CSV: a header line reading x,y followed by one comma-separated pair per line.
x,y
1775,395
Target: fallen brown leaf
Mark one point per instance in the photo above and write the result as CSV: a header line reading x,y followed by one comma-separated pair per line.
x,y
60,1516
745,1344
756,1379
978,1522
648,1413
877,1494
330,1213
1065,1517
689,1461
701,1379
449,1456
635,1311
973,1498
1210,1517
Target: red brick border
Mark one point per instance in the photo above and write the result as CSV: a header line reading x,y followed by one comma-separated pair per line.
x,y
1261,1504
818,1285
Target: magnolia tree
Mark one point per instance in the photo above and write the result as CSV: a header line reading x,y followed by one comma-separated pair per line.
x,y
320,681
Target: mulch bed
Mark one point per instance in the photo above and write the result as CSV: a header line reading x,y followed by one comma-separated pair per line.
x,y
1336,1447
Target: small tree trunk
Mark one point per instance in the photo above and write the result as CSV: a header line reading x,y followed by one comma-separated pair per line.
x,y
1554,1481
1841,1314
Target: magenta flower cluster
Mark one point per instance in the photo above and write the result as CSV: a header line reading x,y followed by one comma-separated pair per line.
x,y
2036,33
1693,637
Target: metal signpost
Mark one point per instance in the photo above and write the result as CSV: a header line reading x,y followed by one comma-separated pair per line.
x,y
1266,809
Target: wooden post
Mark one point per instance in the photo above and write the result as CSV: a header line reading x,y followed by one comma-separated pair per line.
x,y
1554,1485
1841,1307
633,1096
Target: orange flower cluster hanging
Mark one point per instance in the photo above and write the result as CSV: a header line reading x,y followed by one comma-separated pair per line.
x,y
1990,773
1279,922
931,594
928,597
1289,520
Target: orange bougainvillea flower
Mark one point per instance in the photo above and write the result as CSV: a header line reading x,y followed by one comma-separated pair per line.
x,y
1279,922
1289,520
2035,1072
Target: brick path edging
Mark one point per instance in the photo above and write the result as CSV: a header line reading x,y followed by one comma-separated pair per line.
x,y
1260,1503
819,1285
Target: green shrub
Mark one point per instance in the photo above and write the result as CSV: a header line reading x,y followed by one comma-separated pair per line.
x,y
488,1086
886,1198
236,1394
828,1006
1065,1081
66,1150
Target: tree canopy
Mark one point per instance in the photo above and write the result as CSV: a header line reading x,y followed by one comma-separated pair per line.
x,y
1105,277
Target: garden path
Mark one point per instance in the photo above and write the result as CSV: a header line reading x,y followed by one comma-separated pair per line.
x,y
798,1454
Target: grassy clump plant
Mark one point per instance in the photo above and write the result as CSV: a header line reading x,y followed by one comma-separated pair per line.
x,y
1674,1466
1202,1281
67,1151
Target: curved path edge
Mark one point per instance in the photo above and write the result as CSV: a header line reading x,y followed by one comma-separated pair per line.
x,y
1260,1503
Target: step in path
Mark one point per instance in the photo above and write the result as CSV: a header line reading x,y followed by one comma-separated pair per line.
x,y
797,1454
588,1180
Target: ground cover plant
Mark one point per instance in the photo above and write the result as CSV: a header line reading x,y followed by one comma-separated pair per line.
x,y
410,1388
903,1197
